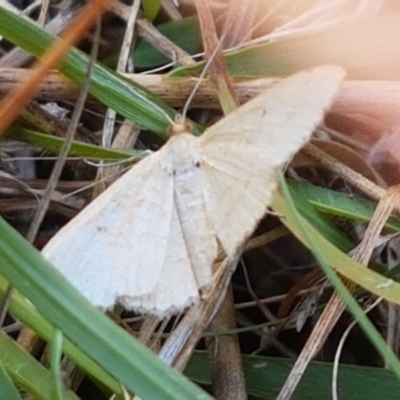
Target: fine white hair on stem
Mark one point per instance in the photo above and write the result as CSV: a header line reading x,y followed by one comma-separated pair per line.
x,y
94,183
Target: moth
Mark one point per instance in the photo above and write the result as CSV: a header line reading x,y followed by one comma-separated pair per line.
x,y
149,241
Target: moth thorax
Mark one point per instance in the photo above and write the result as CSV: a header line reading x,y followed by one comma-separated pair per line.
x,y
184,153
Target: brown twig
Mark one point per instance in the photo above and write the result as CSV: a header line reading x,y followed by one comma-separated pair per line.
x,y
374,98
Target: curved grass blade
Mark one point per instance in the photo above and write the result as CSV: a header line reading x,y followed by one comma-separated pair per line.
x,y
129,99
79,149
339,204
340,262
318,219
19,96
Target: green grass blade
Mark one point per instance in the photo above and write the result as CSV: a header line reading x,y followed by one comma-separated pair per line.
x,y
55,360
339,204
151,8
185,33
27,372
266,375
135,366
318,219
28,315
7,389
79,149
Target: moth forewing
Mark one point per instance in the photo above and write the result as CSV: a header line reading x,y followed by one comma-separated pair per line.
x,y
146,242
176,287
243,151
109,248
149,241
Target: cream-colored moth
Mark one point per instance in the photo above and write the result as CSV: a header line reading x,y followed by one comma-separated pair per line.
x,y
149,241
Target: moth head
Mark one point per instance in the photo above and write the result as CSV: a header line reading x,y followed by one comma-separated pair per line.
x,y
179,126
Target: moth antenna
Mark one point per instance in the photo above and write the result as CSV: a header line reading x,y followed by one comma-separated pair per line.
x,y
93,184
20,182
140,155
158,69
203,73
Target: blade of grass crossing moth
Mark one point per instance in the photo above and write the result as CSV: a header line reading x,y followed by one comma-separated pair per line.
x,y
55,360
290,213
8,390
27,372
28,315
135,366
15,100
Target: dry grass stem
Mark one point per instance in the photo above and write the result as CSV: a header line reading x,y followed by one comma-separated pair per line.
x,y
369,97
147,32
224,355
179,346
